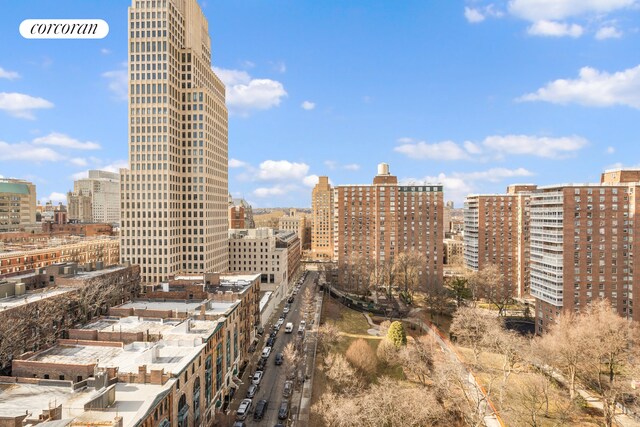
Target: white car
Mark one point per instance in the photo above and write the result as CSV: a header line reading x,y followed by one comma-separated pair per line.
x,y
278,324
288,328
302,327
285,310
266,352
243,410
257,377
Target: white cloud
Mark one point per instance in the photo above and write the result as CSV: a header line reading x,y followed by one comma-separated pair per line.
x,y
548,147
611,150
496,146
310,180
280,170
446,150
352,167
105,51
235,163
245,93
472,148
308,105
10,75
118,82
608,32
78,161
331,164
540,10
55,197
593,88
458,185
21,105
276,190
473,15
24,151
62,140
555,29
110,167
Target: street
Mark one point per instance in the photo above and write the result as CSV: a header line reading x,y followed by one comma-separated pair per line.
x,y
272,383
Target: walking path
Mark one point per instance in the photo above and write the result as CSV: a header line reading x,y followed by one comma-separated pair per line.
x,y
491,417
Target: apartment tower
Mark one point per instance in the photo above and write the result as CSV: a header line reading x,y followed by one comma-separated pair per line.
x,y
96,198
582,245
374,223
175,193
496,231
322,220
17,204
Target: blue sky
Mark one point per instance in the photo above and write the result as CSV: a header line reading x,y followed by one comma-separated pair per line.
x,y
473,94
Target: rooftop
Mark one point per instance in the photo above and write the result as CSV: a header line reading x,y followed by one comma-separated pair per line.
x,y
184,306
30,297
133,401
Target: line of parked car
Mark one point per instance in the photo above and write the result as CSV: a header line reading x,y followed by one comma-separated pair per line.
x,y
261,407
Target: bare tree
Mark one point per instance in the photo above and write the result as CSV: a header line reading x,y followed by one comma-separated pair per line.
x,y
417,359
362,356
489,283
470,327
509,346
343,376
292,357
408,266
564,347
328,336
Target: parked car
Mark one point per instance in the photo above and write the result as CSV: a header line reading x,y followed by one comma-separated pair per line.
x,y
262,363
279,358
273,334
243,410
283,315
278,324
302,327
285,310
252,390
283,412
257,377
288,328
288,389
239,424
270,341
261,409
266,352
291,299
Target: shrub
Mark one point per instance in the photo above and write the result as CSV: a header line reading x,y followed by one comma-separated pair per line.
x,y
361,356
396,334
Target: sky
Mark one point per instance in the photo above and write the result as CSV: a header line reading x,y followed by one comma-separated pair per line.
x,y
472,94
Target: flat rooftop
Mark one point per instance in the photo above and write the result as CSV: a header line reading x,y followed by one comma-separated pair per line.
x,y
172,358
132,401
132,324
30,297
189,306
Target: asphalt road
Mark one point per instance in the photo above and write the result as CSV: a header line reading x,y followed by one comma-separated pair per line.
x,y
274,377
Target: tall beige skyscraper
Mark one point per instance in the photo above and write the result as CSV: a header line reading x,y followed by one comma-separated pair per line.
x,y
322,220
175,193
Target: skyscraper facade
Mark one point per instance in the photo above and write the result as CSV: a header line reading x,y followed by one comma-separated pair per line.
x,y
582,245
496,231
322,220
375,223
174,196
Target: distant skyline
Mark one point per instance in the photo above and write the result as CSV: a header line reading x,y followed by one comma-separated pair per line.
x,y
473,94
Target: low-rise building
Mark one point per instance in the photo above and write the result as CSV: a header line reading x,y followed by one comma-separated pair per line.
x,y
39,307
81,251
274,254
179,358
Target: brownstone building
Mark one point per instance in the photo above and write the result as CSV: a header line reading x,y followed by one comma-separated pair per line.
x,y
496,231
582,245
374,223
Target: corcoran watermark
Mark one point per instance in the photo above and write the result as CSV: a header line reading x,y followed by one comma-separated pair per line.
x,y
64,29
